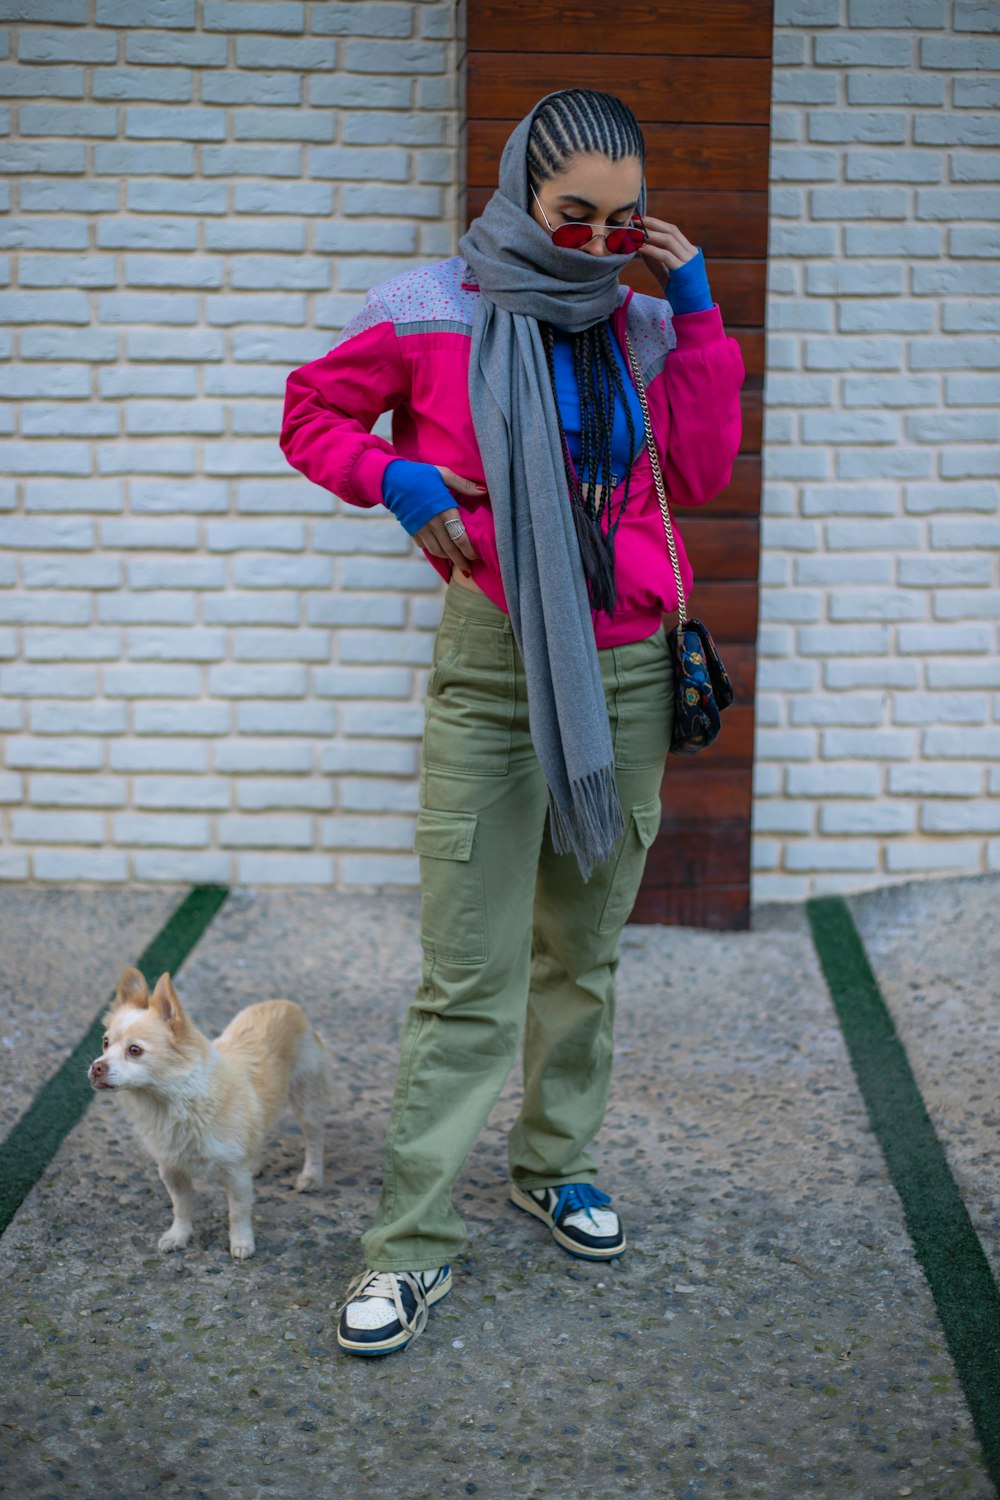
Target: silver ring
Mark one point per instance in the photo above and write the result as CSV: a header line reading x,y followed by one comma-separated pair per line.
x,y
455,522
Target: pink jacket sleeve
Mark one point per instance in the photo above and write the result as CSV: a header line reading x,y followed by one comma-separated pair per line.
x,y
703,375
332,403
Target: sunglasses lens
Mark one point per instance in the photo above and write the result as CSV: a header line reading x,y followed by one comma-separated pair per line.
x,y
572,236
625,241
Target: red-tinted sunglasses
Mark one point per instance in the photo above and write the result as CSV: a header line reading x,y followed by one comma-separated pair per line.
x,y
621,239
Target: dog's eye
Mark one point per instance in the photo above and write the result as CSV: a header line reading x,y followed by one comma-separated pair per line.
x,y
135,1050
104,1044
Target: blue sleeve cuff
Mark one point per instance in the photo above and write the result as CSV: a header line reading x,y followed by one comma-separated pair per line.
x,y
414,492
687,289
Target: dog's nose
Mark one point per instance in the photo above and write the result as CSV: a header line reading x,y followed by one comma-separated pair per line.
x,y
98,1069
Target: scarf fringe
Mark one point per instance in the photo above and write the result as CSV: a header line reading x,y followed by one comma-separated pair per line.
x,y
590,826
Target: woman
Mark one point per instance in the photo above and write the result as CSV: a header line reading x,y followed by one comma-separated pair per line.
x,y
519,465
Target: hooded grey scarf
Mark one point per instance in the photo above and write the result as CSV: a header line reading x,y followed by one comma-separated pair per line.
x,y
523,278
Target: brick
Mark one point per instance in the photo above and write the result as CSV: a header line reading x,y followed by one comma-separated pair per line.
x,y
76,791
800,164
128,681
134,306
159,13
887,88
840,709
861,390
381,20
972,744
249,756
62,718
163,49
164,345
45,458
940,708
181,867
928,640
367,794
831,854
285,830
176,829
31,826
266,272
243,15
851,780
251,161
251,88
883,127
286,718
175,84
284,869
900,166
945,572
867,818
950,204
976,93
282,125
256,795
71,864
205,719
856,640
920,15
951,854
973,674
169,124
843,500
199,198
930,780
52,83
211,792
958,605
302,198
959,817
379,870
875,604
853,280
42,234
897,316
367,833
269,645
303,54
350,92
165,161
852,354
255,236
896,239
952,129
44,156
68,119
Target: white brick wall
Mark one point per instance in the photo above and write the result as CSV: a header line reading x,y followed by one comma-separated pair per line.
x,y
209,668
879,678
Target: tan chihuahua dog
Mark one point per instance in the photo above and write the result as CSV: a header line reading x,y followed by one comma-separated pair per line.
x,y
205,1108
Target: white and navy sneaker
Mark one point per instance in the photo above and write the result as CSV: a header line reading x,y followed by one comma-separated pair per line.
x,y
575,1216
384,1310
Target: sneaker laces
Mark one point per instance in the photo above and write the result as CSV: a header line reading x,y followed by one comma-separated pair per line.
x,y
578,1197
387,1285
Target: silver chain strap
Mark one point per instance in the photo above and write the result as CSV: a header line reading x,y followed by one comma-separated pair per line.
x,y
660,493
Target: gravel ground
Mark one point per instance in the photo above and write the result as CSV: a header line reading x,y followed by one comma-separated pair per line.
x,y
767,1334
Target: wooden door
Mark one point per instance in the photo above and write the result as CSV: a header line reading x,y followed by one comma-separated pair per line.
x,y
699,80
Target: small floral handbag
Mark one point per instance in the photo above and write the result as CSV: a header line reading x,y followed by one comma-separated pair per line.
x,y
702,688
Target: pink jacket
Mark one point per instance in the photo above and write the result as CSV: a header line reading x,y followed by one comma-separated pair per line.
x,y
407,351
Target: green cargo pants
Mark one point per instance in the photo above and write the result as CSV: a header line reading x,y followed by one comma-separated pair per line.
x,y
512,937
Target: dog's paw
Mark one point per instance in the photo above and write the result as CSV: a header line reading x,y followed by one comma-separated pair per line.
x,y
308,1180
174,1239
241,1249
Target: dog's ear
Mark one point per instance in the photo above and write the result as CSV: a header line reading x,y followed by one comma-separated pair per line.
x,y
132,990
164,1002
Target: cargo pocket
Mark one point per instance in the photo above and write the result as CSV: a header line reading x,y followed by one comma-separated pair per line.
x,y
452,906
642,828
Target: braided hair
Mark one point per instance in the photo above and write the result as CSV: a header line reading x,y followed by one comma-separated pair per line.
x,y
571,122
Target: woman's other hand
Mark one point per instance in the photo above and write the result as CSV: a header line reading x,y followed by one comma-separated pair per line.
x,y
666,250
434,538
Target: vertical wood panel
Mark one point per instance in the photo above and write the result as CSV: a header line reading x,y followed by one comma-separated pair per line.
x,y
699,80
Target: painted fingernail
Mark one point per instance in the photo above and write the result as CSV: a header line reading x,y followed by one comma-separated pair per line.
x,y
466,573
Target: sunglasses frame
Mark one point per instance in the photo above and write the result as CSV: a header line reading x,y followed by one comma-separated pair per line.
x,y
634,225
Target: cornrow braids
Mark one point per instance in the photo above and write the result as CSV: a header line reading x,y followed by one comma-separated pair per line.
x,y
571,122
598,374
581,120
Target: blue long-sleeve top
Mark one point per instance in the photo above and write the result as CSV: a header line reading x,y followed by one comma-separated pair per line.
x,y
415,492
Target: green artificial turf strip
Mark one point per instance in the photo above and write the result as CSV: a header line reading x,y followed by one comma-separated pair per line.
x,y
62,1099
945,1243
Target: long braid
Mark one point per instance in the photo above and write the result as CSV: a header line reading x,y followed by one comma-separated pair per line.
x,y
571,122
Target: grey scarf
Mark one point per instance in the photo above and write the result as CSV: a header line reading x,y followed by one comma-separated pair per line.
x,y
523,277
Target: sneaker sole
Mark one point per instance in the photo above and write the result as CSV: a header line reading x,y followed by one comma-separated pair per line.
x,y
400,1340
527,1203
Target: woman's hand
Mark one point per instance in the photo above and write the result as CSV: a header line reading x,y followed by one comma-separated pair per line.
x,y
666,249
433,536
